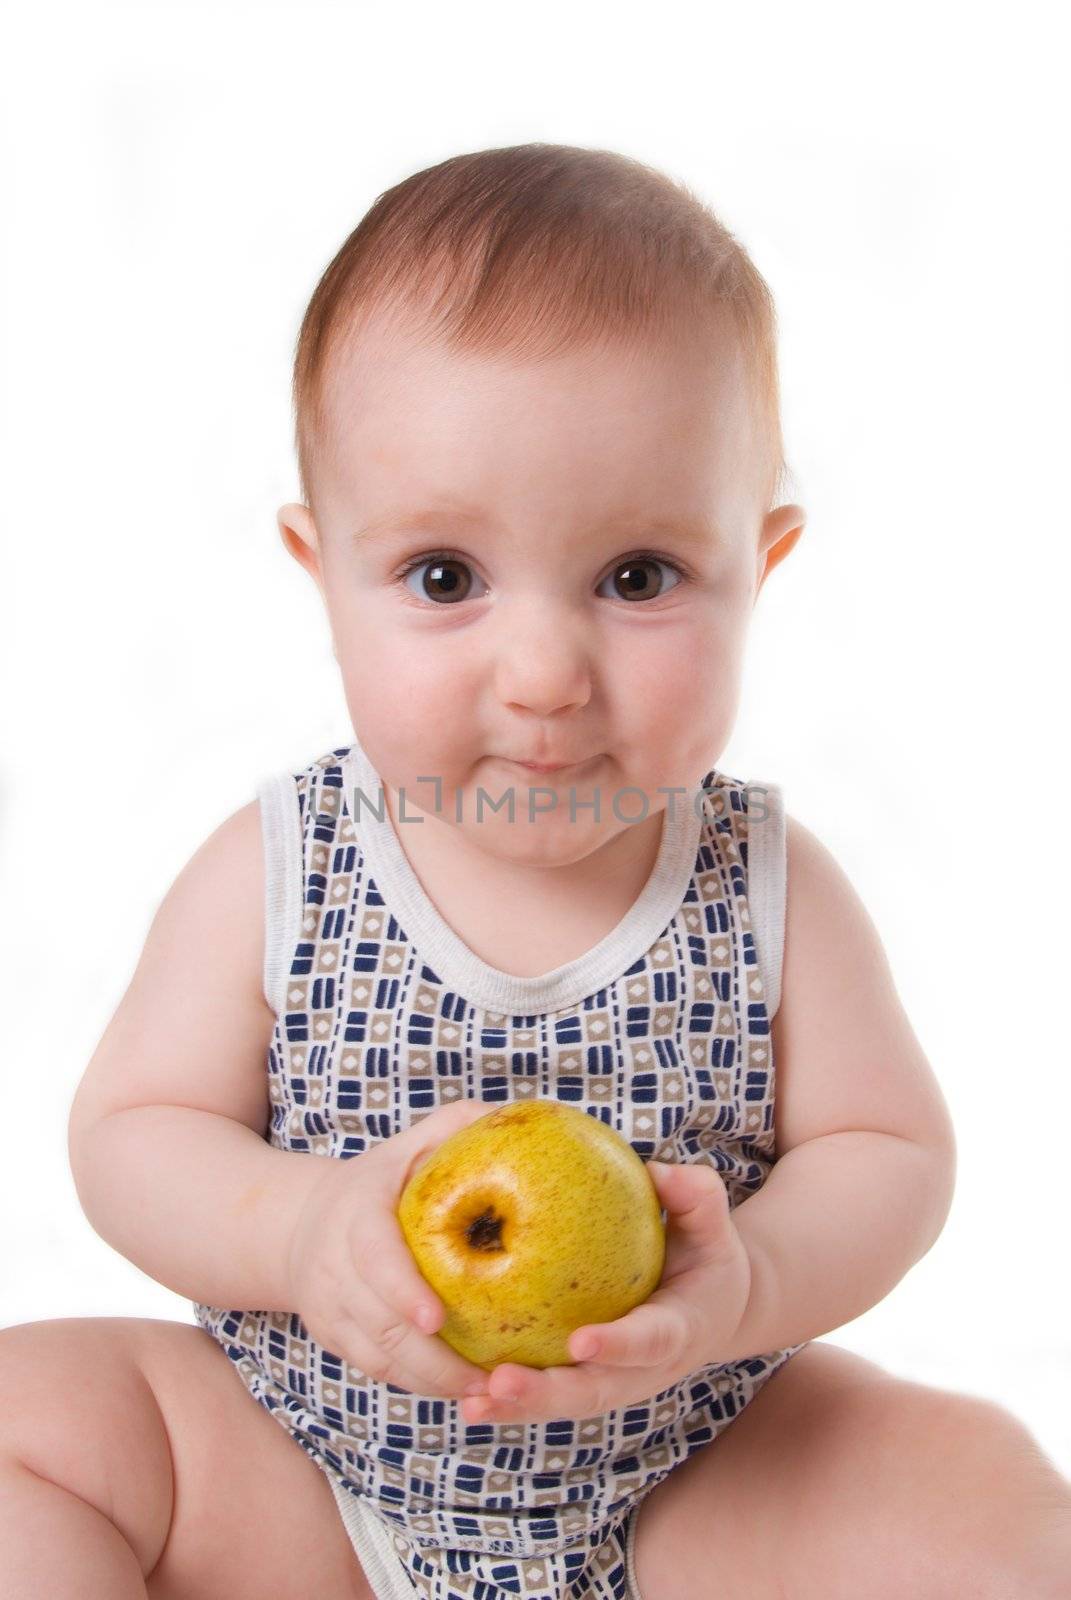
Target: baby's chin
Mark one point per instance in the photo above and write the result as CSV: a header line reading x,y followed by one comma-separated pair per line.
x,y
549,839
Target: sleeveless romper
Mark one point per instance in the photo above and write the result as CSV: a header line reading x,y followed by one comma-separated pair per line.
x,y
662,1030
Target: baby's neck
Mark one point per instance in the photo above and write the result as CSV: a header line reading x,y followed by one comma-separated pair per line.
x,y
522,918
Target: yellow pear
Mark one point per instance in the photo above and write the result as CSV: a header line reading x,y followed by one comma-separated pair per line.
x,y
529,1222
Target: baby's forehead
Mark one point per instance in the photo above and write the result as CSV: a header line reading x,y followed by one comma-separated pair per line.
x,y
388,361
590,438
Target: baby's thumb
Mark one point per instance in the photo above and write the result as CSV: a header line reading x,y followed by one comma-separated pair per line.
x,y
417,1143
694,1196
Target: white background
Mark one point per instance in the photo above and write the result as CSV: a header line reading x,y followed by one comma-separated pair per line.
x,y
174,180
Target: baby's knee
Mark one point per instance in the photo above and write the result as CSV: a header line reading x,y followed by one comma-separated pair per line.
x,y
979,1504
81,1414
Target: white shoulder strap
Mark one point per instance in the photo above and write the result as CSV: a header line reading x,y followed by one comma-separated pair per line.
x,y
766,872
280,822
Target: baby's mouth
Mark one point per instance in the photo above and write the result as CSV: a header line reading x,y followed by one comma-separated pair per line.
x,y
549,766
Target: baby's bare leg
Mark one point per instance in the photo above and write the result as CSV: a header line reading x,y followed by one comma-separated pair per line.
x,y
839,1480
133,1463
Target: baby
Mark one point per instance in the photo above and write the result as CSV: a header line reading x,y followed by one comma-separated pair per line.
x,y
543,484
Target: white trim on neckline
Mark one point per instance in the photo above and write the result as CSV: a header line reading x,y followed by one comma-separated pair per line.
x,y
459,967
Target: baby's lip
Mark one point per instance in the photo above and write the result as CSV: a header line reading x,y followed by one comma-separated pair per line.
x,y
546,766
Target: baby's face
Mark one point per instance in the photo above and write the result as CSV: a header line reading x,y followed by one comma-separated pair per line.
x,y
552,562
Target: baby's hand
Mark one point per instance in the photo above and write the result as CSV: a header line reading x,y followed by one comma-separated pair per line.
x,y
353,1279
695,1311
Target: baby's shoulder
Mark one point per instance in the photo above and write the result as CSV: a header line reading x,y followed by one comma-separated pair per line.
x,y
193,1024
832,948
845,1053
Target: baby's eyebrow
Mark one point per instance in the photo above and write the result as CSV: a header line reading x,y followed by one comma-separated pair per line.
x,y
424,519
456,519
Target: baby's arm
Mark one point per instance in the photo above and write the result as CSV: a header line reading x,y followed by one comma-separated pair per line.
x,y
172,1167
865,1145
166,1132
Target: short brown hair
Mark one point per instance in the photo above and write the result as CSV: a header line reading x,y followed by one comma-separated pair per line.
x,y
532,249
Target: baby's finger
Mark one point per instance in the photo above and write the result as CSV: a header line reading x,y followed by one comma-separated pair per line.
x,y
387,1266
389,1350
650,1335
429,1359
698,1211
405,1152
526,1394
691,1191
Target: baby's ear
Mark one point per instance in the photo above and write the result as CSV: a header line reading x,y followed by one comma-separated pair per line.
x,y
781,529
300,537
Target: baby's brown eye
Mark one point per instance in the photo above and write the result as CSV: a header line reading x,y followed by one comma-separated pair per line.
x,y
445,579
633,581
